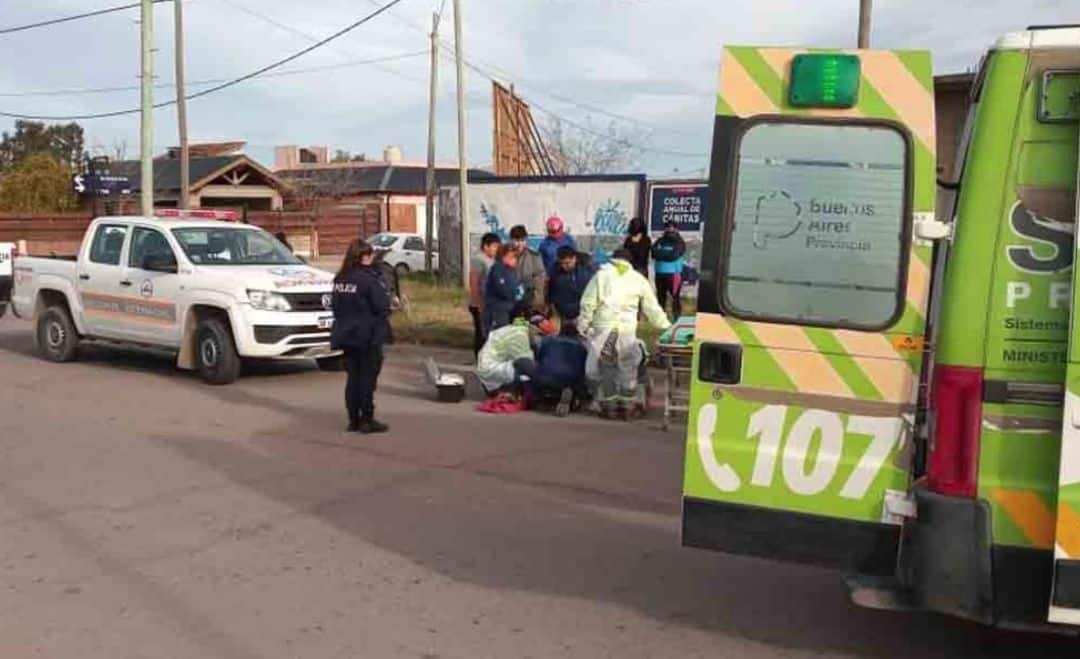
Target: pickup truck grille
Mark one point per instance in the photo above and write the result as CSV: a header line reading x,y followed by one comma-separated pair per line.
x,y
276,333
308,301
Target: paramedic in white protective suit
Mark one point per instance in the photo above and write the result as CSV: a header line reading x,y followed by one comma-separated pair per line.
x,y
608,321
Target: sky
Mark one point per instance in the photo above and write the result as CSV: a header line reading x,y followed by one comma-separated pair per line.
x,y
652,63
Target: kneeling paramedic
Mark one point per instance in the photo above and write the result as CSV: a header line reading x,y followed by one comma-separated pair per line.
x,y
361,304
608,321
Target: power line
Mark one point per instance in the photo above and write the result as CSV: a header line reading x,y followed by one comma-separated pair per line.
x,y
495,72
618,140
586,129
298,32
89,14
212,81
225,85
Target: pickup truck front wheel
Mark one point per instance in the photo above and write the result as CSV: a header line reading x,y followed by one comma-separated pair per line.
x,y
216,352
57,339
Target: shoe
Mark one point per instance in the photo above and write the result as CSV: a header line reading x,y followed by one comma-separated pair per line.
x,y
567,397
354,425
371,426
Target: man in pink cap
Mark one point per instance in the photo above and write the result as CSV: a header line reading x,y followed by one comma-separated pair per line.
x,y
556,237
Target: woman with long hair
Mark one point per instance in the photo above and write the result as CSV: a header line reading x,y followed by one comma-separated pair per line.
x,y
361,303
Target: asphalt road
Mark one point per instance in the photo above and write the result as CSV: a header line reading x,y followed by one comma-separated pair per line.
x,y
143,514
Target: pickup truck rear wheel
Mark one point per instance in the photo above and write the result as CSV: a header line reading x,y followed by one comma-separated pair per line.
x,y
215,352
57,339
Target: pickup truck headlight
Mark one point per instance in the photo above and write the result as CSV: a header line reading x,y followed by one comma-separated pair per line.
x,y
268,301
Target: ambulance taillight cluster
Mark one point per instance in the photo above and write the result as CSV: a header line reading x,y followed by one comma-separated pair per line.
x,y
956,400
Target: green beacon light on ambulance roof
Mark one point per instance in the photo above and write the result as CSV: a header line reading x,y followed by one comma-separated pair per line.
x,y
824,80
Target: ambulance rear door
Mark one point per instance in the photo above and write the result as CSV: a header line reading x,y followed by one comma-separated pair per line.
x,y
812,306
1060,99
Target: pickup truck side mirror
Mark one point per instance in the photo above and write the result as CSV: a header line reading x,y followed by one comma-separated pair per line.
x,y
159,263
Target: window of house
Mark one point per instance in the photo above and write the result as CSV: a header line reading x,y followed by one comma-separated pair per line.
x,y
818,233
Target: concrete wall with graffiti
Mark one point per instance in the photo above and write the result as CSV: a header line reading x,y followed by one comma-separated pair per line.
x,y
596,209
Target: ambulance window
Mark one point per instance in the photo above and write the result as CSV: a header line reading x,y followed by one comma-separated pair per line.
x,y
818,229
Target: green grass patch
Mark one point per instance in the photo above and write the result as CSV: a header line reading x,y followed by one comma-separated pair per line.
x,y
437,313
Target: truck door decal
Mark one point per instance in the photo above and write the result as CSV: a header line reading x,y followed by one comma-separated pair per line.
x,y
132,308
1050,233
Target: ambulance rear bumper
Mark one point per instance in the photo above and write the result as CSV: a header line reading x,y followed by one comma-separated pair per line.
x,y
949,564
830,542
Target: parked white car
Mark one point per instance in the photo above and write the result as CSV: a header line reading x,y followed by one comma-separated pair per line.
x,y
7,255
213,291
404,251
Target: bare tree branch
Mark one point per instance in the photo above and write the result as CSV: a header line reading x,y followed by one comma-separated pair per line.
x,y
590,150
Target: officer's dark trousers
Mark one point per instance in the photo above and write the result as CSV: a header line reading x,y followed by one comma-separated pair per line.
x,y
363,368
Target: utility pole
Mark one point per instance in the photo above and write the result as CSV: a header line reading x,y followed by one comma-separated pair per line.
x,y
864,23
181,106
146,141
433,93
463,167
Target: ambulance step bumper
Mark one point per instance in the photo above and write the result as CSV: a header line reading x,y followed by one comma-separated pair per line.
x,y
949,564
842,544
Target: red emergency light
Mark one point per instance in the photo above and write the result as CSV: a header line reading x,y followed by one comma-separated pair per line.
x,y
201,214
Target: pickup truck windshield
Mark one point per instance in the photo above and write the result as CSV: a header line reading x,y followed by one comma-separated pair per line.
x,y
233,246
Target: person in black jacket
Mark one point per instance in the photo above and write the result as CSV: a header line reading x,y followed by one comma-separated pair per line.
x,y
504,293
638,244
567,283
669,258
361,304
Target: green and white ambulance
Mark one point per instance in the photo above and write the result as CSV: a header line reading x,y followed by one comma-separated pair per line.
x,y
877,391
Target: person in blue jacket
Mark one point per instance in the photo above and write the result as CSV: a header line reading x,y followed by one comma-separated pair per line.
x,y
504,293
567,283
669,257
361,305
556,238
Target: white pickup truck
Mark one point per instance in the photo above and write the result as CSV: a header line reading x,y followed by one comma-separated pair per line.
x,y
214,291
7,255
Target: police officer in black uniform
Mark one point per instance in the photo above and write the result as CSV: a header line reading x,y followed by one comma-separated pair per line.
x,y
361,304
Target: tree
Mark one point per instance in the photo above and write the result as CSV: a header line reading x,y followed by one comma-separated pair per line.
x,y
64,142
40,183
341,155
588,150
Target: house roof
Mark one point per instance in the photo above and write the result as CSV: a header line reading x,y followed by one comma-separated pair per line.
x,y
201,171
369,178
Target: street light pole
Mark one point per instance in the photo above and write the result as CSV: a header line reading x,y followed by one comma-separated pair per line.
x,y
181,106
463,167
864,23
146,140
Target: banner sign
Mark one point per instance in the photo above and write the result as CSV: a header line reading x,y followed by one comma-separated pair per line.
x,y
683,204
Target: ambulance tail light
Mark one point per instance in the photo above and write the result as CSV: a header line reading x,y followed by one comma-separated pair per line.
x,y
956,404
